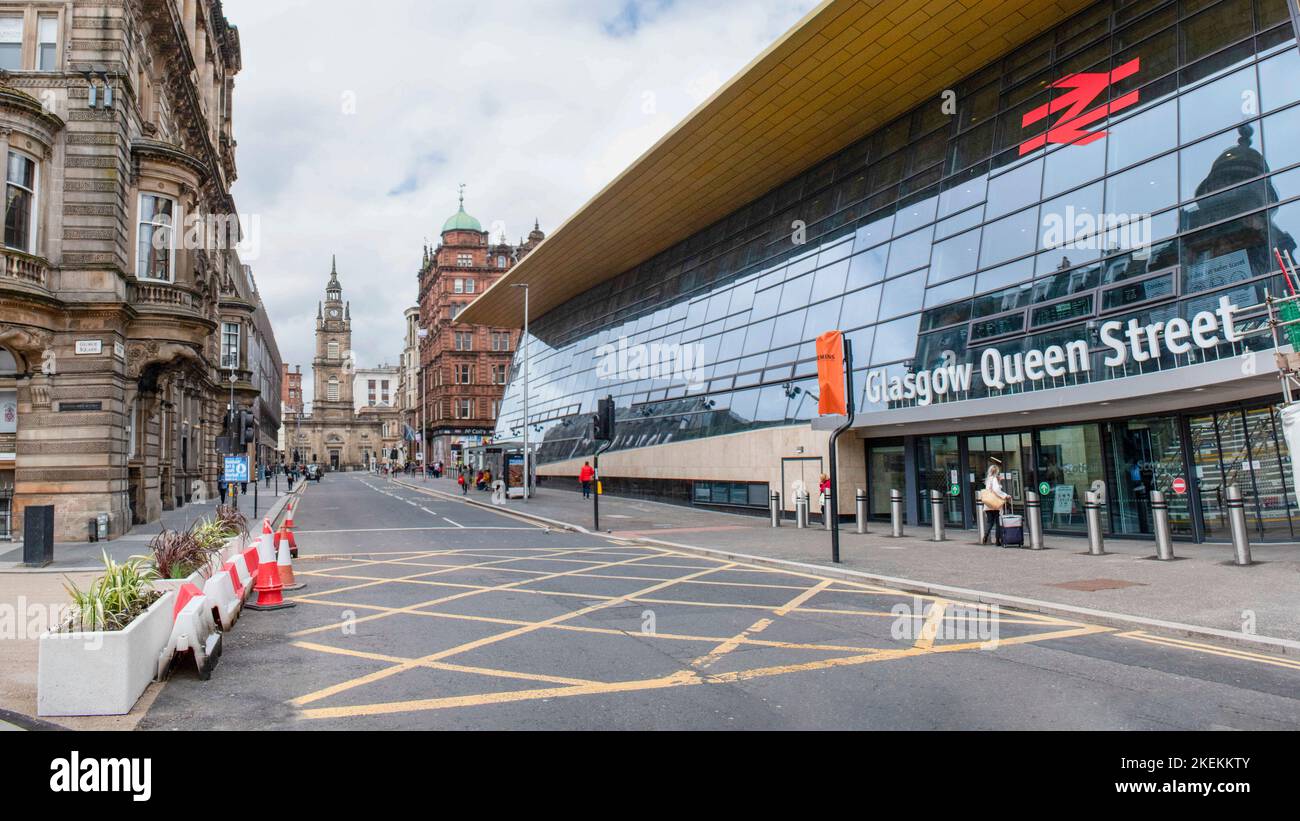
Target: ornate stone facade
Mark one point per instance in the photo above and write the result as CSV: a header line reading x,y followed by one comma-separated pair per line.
x,y
110,318
335,434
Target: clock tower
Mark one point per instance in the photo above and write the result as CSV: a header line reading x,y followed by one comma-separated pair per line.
x,y
333,367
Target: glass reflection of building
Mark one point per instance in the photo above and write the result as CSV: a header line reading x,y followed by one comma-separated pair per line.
x,y
927,243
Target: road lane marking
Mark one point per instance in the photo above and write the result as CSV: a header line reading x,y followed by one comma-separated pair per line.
x,y
487,640
711,658
454,568
442,665
435,602
1210,649
930,629
574,628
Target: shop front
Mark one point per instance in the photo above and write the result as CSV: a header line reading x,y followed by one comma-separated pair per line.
x,y
1190,456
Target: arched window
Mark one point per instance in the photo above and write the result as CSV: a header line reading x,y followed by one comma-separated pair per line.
x,y
8,364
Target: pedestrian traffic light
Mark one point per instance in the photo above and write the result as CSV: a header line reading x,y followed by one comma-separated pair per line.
x,y
247,430
603,420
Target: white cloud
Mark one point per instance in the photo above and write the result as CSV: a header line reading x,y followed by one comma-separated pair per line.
x,y
535,106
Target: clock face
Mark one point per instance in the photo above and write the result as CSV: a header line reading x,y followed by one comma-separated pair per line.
x,y
334,312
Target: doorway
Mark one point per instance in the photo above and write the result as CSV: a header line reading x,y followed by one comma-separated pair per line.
x,y
886,471
801,471
1013,453
939,468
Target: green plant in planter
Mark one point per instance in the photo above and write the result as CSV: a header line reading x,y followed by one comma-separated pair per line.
x,y
232,520
177,554
211,534
113,600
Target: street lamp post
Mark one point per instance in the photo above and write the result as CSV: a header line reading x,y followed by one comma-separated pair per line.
x,y
230,431
527,484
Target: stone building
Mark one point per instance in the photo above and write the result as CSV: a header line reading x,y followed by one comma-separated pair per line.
x,y
465,367
334,434
121,285
409,387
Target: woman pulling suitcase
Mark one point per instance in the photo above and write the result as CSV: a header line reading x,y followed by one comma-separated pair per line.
x,y
994,499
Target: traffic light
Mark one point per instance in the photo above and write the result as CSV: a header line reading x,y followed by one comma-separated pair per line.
x,y
247,430
603,420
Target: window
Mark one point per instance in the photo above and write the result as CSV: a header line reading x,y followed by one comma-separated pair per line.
x,y
464,374
464,340
464,408
333,392
157,240
370,396
332,350
20,203
501,261
47,48
465,260
500,341
229,345
454,309
11,42
383,387
499,374
458,286
469,286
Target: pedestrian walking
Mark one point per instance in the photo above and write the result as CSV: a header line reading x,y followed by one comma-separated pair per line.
x,y
586,476
464,483
994,499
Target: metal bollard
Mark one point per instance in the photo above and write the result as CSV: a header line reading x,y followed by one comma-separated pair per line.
x,y
1034,518
896,514
983,522
1092,510
1240,535
861,512
801,511
826,512
1164,537
774,505
936,513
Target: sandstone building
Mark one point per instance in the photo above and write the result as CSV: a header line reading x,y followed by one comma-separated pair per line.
x,y
124,307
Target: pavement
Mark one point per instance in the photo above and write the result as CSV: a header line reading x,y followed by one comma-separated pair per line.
x,y
72,557
29,598
425,611
1202,594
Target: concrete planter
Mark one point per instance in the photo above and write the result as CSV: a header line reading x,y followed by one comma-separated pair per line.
x,y
102,673
197,578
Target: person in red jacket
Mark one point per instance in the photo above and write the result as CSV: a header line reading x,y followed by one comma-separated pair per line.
x,y
586,476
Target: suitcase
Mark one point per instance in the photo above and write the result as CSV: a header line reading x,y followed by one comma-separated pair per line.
x,y
1013,529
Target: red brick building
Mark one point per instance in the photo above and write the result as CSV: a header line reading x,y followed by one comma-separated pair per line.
x,y
465,367
291,389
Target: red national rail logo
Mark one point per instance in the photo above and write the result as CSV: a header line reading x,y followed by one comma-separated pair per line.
x,y
1085,87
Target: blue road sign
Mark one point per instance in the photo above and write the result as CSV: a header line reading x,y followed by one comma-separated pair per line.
x,y
236,468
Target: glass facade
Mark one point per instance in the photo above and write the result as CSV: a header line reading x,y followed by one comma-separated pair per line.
x,y
1123,462
939,235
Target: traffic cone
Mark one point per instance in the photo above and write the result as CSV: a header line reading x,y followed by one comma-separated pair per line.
x,y
285,564
268,587
286,532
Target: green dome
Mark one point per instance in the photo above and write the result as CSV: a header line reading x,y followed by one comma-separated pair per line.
x,y
460,221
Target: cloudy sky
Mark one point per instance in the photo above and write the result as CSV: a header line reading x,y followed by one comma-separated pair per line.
x,y
357,121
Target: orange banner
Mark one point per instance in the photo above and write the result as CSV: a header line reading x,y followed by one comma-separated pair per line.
x,y
830,373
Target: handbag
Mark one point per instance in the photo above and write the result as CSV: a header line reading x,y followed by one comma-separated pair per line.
x,y
991,500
